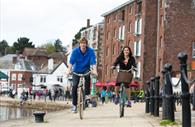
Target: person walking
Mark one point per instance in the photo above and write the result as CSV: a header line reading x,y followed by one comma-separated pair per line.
x,y
125,61
80,61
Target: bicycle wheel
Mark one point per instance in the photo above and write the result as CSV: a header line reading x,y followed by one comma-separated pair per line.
x,y
122,100
80,103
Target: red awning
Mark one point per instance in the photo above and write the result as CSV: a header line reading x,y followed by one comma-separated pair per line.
x,y
111,83
99,84
134,84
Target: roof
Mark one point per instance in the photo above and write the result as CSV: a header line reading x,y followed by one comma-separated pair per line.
x,y
117,8
34,52
6,62
3,76
47,71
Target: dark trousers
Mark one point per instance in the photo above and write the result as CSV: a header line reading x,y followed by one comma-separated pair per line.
x,y
76,79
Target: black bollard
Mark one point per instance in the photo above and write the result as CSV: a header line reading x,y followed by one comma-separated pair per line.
x,y
164,103
185,96
147,97
169,93
156,97
193,98
152,95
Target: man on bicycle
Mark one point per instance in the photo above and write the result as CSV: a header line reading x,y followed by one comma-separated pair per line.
x,y
80,61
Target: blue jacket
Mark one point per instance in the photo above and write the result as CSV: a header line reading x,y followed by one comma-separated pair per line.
x,y
81,61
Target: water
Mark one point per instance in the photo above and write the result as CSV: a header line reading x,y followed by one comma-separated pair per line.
x,y
9,113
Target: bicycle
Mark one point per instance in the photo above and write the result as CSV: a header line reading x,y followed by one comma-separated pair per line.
x,y
122,94
81,94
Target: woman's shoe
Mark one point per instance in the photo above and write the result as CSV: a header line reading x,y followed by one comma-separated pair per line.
x,y
129,104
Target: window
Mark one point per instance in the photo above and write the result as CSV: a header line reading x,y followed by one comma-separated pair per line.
x,y
193,49
161,42
107,51
121,34
131,9
130,27
20,77
108,35
123,15
138,72
114,17
43,78
161,3
60,78
115,33
108,20
138,26
139,7
13,76
161,20
137,48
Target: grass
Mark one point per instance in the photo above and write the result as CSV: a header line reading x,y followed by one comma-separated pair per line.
x,y
167,122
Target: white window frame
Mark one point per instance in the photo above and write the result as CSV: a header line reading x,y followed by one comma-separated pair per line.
x,y
193,49
138,26
121,33
138,72
137,48
20,77
60,79
42,78
14,76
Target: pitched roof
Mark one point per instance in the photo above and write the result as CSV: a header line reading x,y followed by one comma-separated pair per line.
x,y
47,71
34,52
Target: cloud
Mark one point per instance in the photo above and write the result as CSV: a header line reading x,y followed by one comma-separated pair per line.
x,y
42,20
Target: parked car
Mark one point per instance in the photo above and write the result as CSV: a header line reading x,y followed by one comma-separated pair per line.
x,y
4,89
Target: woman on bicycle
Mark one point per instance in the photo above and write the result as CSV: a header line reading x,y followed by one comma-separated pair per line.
x,y
125,61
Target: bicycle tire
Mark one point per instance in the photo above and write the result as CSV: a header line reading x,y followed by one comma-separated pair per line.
x,y
80,103
122,100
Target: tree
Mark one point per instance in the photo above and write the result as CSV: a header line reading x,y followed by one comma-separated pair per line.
x,y
58,45
77,36
3,47
22,43
50,48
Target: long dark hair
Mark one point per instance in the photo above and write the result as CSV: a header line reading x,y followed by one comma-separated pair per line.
x,y
121,56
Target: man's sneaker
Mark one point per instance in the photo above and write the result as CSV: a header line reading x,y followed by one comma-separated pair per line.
x,y
116,101
129,104
74,109
87,97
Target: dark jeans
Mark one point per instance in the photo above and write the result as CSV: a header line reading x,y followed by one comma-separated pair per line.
x,y
76,79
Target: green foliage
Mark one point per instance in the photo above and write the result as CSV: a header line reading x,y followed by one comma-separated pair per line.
x,y
50,48
77,36
22,43
167,122
58,45
3,47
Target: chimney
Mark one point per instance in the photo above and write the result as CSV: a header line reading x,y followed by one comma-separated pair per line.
x,y
50,64
14,60
88,23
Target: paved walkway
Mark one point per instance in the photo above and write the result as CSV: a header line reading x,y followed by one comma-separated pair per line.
x,y
102,116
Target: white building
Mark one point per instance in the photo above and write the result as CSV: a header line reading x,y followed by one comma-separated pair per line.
x,y
54,75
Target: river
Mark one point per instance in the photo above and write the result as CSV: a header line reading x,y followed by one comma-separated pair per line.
x,y
9,113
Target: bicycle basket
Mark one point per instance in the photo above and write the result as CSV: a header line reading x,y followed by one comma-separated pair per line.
x,y
124,77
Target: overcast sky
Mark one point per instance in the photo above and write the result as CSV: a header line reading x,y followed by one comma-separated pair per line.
x,y
45,20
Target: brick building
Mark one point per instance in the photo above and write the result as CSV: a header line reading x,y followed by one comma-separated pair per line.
x,y
176,33
126,25
94,35
153,29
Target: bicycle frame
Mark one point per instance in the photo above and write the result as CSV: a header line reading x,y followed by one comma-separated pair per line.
x,y
81,94
122,97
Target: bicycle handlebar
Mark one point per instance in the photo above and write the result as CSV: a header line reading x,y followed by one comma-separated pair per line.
x,y
82,75
131,69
